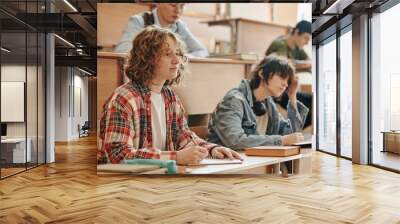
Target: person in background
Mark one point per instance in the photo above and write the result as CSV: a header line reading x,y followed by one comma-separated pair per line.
x,y
291,47
165,15
144,118
234,121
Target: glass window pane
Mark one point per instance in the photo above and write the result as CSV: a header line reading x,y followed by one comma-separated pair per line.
x,y
13,86
346,94
327,97
31,100
41,98
385,86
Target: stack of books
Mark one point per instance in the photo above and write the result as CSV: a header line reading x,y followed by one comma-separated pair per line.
x,y
273,151
118,169
139,166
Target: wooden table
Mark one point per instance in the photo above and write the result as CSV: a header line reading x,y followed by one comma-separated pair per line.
x,y
391,141
258,165
301,164
250,35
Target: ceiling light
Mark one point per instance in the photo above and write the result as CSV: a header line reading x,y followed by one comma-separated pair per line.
x,y
84,71
71,6
337,7
5,50
65,41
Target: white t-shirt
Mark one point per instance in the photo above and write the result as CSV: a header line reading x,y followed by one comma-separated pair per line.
x,y
158,123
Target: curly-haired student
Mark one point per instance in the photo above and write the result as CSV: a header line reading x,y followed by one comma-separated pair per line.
x,y
144,118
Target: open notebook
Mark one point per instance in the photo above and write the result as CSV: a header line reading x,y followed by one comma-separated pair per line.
x,y
303,144
307,142
209,161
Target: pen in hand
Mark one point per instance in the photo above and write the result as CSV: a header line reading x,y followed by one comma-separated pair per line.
x,y
195,144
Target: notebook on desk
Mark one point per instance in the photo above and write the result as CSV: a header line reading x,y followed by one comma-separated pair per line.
x,y
126,168
210,161
273,151
303,144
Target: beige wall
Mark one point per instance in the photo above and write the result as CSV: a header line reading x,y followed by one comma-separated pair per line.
x,y
285,14
111,21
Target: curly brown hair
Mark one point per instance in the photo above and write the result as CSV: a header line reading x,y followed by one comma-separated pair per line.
x,y
146,52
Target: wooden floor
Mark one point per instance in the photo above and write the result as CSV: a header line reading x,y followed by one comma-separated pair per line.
x,y
387,159
69,191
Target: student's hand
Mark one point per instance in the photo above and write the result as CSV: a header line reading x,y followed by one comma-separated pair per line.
x,y
292,138
292,89
191,155
222,152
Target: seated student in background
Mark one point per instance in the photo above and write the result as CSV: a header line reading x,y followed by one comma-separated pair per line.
x,y
144,118
233,123
291,47
165,15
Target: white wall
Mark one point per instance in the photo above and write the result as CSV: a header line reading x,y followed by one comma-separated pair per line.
x,y
254,11
69,85
12,73
61,103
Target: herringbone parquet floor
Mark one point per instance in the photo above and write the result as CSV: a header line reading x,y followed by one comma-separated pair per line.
x,y
69,191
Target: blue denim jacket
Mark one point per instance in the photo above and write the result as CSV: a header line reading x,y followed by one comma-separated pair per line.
x,y
233,122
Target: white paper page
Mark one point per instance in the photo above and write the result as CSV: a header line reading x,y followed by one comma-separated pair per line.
x,y
220,161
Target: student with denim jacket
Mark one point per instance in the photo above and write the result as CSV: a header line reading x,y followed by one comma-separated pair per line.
x,y
233,123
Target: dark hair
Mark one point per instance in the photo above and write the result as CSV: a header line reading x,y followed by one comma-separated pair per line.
x,y
271,65
302,27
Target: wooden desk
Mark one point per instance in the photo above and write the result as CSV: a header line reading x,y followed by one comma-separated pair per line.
x,y
258,165
13,150
109,76
305,80
207,81
391,141
250,35
251,165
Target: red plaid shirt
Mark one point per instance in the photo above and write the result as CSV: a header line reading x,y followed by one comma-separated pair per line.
x,y
125,126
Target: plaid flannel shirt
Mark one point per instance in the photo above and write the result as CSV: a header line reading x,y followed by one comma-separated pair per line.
x,y
126,130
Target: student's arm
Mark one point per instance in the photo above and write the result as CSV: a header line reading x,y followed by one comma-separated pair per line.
x,y
277,47
297,115
295,121
227,124
302,61
297,112
134,26
194,47
117,132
